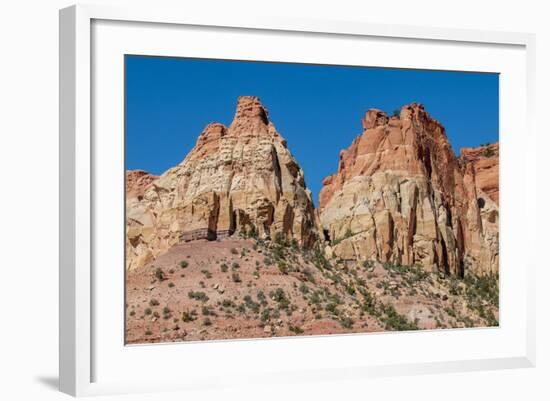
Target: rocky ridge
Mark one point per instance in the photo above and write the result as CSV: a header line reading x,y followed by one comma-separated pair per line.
x,y
237,179
401,195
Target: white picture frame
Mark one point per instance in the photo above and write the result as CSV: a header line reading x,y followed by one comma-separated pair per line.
x,y
84,351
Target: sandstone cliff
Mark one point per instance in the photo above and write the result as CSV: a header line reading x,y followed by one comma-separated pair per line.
x,y
239,179
137,182
401,195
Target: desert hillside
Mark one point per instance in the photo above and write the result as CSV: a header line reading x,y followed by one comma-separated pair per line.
x,y
228,244
249,288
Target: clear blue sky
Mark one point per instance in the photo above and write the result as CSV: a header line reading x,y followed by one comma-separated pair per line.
x,y
317,109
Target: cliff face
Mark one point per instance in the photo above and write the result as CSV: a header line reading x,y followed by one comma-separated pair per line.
x,y
485,164
237,179
400,195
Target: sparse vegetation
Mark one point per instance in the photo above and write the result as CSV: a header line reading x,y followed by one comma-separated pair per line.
x,y
184,264
187,317
295,329
159,274
198,295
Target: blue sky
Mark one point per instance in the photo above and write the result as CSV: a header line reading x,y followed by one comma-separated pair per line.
x,y
317,109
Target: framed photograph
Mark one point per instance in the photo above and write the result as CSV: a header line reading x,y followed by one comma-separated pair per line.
x,y
275,200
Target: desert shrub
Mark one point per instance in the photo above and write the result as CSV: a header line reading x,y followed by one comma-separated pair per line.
x,y
350,289
280,297
206,273
147,311
187,317
198,295
261,297
227,303
153,302
236,277
184,264
395,321
171,285
332,308
346,322
250,304
234,251
295,329
159,274
265,315
282,266
207,311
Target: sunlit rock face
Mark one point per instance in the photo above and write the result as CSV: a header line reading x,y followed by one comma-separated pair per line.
x,y
401,195
240,179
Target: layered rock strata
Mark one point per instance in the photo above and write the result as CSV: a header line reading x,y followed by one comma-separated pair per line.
x,y
240,179
401,195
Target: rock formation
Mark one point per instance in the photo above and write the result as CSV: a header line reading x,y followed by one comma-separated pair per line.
x,y
137,182
239,179
485,164
401,195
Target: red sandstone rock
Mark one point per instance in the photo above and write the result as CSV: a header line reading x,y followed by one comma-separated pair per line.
x,y
137,182
401,195
485,160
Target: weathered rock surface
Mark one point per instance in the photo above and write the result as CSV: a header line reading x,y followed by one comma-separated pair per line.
x,y
237,179
485,162
137,182
401,195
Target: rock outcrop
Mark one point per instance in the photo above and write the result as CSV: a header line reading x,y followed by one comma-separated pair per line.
x,y
240,179
401,195
137,182
485,164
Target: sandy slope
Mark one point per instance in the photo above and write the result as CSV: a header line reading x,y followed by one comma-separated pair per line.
x,y
241,288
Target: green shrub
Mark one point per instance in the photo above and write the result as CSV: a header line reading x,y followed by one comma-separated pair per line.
x,y
198,295
159,274
187,317
282,266
280,297
346,322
